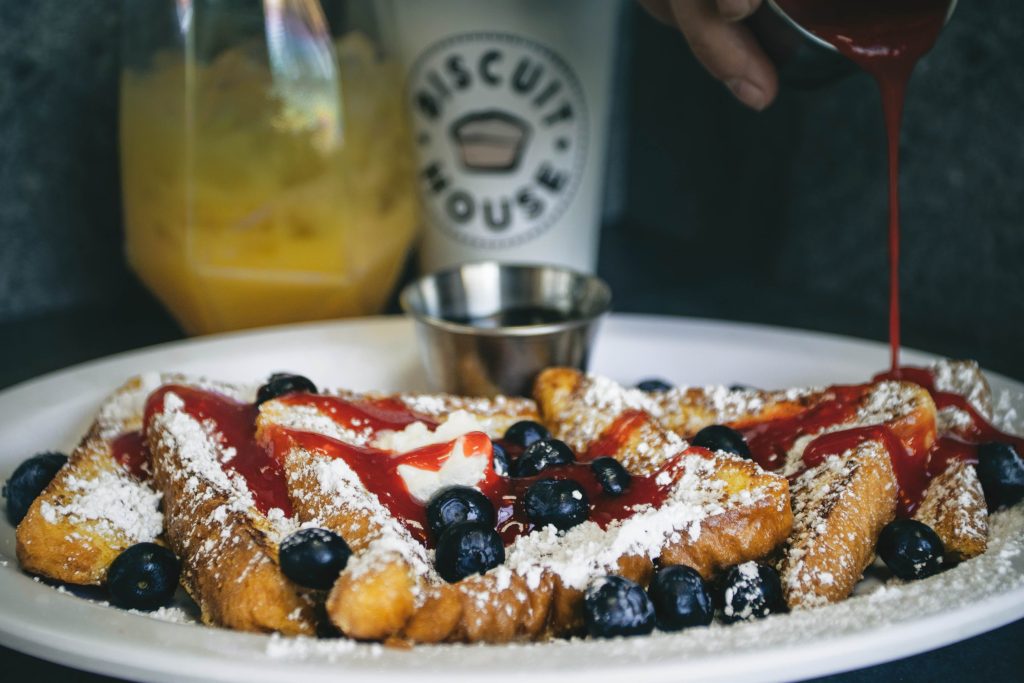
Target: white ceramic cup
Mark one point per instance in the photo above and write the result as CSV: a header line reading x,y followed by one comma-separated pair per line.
x,y
509,106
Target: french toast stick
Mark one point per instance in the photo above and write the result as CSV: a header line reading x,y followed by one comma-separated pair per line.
x,y
228,548
94,508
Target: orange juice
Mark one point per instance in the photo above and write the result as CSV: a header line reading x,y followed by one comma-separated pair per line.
x,y
239,215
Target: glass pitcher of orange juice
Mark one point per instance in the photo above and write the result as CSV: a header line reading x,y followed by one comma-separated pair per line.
x,y
266,159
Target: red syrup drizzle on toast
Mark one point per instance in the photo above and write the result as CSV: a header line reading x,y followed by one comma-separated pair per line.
x,y
129,449
233,423
915,461
259,462
378,471
963,444
771,440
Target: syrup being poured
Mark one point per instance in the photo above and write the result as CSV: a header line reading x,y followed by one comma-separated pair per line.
x,y
885,38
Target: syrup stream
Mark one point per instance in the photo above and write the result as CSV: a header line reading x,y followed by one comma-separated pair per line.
x,y
885,38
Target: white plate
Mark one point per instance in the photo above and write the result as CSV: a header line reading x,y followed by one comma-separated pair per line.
x,y
52,412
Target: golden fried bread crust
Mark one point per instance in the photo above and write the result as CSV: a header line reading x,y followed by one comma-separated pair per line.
x,y
384,594
381,588
954,503
496,607
561,398
737,535
477,609
964,377
228,553
954,506
841,506
374,604
839,509
741,533
579,409
93,508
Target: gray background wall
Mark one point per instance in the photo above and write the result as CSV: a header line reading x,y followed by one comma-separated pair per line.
x,y
775,217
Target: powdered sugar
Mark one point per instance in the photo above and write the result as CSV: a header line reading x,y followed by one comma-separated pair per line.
x,y
308,418
171,614
198,453
586,551
1009,414
95,494
304,648
112,503
954,507
953,420
493,415
824,498
598,402
730,405
607,396
887,401
965,378
748,587
198,449
328,492
122,412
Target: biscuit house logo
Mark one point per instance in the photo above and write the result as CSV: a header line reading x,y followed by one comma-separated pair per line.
x,y
501,126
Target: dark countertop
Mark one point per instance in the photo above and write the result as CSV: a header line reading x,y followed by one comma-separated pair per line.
x,y
52,342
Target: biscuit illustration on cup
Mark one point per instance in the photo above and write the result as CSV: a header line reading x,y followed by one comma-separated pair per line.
x,y
490,141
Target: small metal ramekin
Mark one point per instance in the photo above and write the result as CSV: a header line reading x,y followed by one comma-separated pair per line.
x,y
462,358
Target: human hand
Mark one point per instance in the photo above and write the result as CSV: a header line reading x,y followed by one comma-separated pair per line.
x,y
726,48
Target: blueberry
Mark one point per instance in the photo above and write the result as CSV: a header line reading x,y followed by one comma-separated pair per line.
x,y
501,459
751,590
313,557
910,549
560,502
681,598
457,504
612,476
541,455
614,606
653,385
467,548
721,438
28,481
143,577
526,432
1001,472
281,383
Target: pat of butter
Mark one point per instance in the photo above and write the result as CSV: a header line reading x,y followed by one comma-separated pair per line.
x,y
418,435
466,465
